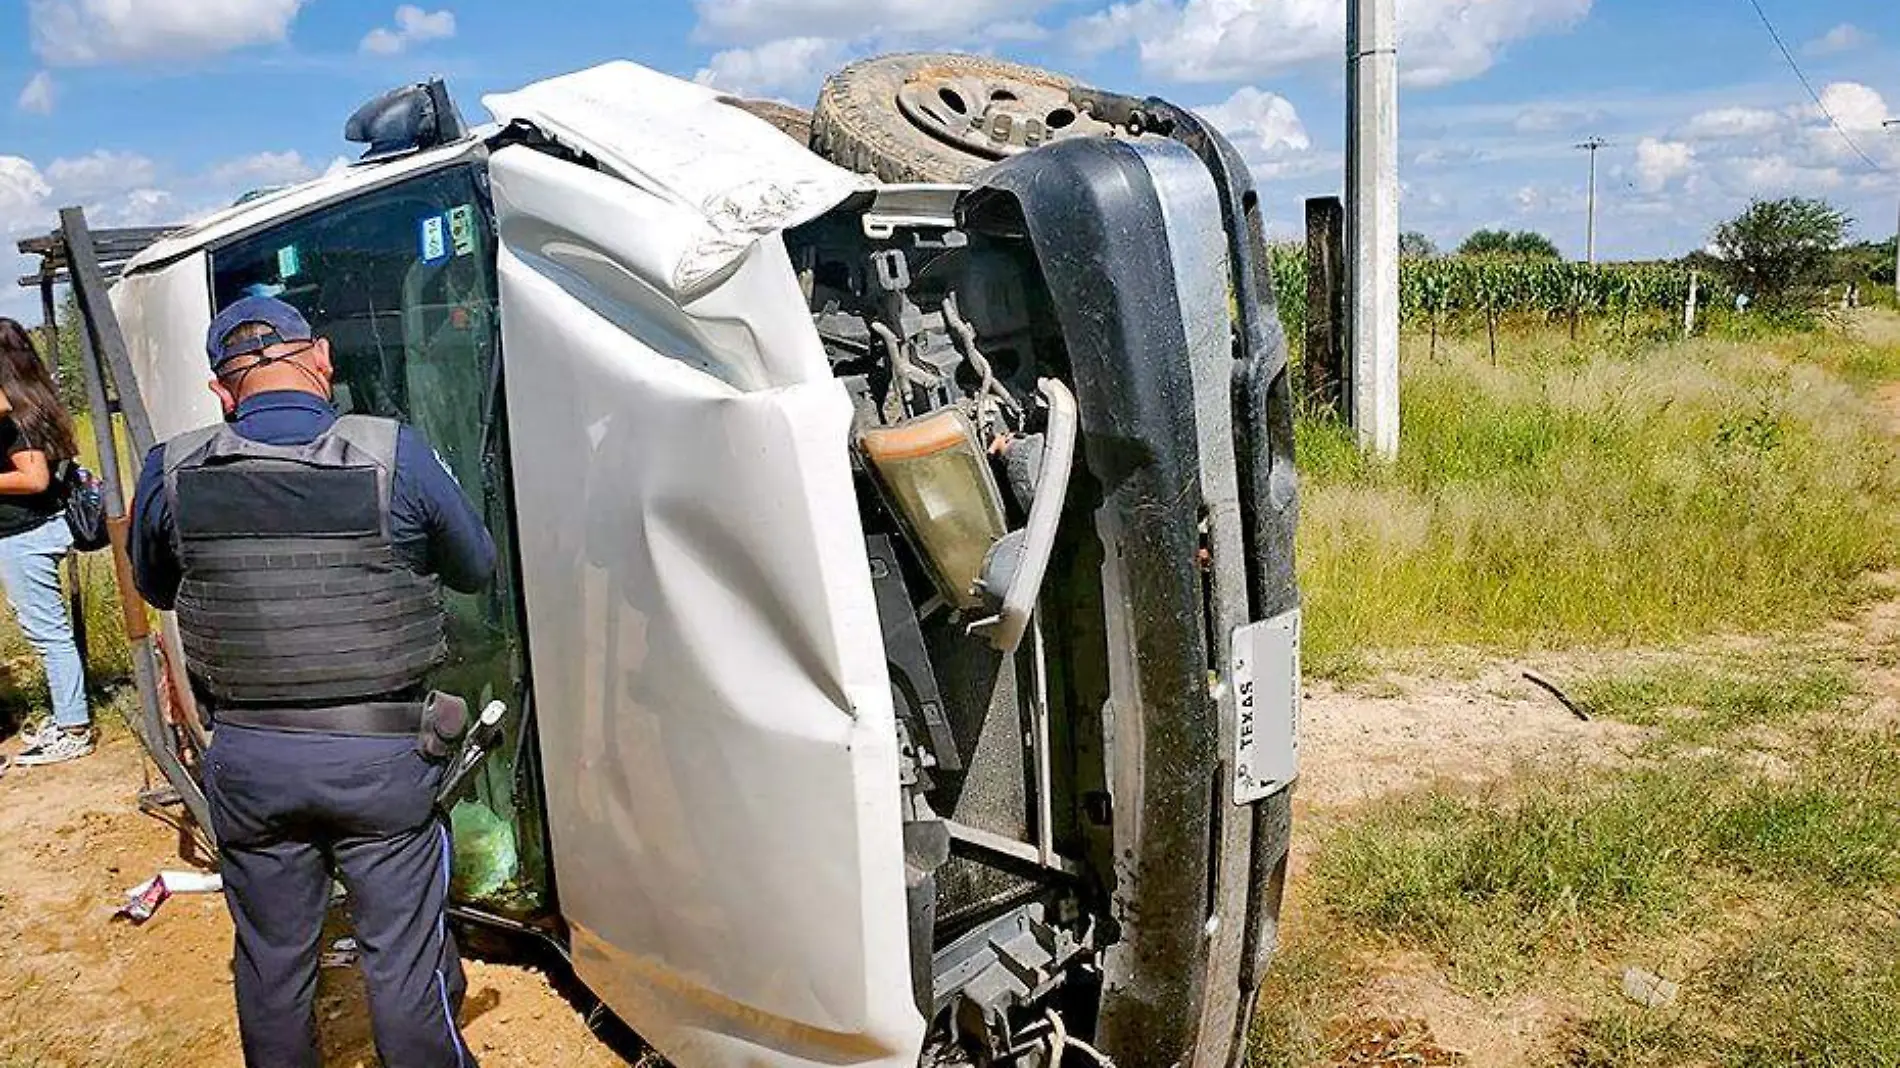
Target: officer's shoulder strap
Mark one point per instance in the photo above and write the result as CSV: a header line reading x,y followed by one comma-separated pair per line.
x,y
182,447
372,435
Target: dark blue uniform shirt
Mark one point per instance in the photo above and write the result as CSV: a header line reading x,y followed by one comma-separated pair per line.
x,y
435,529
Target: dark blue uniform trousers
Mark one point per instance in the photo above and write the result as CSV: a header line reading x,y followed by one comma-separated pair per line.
x,y
290,809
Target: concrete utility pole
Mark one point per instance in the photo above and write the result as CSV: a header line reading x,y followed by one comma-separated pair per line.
x,y
1372,220
1590,241
1890,124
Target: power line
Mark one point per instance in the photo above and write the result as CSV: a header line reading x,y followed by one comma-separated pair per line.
x,y
1809,86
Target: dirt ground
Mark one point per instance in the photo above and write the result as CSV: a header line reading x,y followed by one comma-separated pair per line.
x,y
81,988
1364,742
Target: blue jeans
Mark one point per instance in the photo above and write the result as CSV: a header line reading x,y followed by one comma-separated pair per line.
x,y
29,568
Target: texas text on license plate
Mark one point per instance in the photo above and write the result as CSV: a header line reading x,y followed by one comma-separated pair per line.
x,y
1267,704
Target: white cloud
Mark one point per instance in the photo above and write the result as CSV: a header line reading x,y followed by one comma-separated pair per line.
x,y
25,208
1743,140
100,173
1264,119
1447,156
759,21
138,207
1776,175
1267,130
1843,38
1447,41
1550,118
413,26
1659,163
1855,106
263,169
1733,122
1017,30
87,32
1440,41
23,194
773,68
37,97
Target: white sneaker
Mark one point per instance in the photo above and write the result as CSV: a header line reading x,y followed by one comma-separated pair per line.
x,y
31,730
57,747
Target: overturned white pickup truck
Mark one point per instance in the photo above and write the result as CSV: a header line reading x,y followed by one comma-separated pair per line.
x,y
899,608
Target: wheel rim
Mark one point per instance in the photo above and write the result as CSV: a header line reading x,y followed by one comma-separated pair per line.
x,y
989,115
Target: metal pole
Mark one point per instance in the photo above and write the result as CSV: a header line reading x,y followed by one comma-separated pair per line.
x,y
1890,124
1372,220
98,335
1590,239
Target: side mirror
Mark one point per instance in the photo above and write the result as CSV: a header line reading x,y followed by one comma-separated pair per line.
x,y
409,119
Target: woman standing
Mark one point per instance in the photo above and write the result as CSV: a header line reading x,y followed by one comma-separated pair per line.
x,y
36,436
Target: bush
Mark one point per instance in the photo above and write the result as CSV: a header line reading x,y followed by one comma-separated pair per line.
x,y
1781,252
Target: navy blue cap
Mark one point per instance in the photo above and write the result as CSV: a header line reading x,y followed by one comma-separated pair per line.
x,y
286,323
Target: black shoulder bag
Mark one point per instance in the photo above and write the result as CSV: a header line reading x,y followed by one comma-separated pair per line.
x,y
85,506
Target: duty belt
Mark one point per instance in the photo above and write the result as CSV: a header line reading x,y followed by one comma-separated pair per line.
x,y
390,719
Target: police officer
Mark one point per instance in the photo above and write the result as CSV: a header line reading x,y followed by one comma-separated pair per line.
x,y
301,552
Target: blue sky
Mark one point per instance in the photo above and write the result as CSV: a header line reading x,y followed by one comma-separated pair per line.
x,y
158,110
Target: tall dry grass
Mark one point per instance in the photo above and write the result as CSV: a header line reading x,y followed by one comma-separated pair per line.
x,y
1601,492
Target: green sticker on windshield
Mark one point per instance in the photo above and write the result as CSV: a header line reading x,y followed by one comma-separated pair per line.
x,y
462,229
288,262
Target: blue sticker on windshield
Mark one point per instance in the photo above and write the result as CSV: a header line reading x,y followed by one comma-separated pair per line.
x,y
435,239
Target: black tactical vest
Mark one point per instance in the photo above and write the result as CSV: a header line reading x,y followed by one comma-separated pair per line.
x,y
292,594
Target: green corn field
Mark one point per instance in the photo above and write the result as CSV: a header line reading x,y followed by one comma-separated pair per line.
x,y
1462,292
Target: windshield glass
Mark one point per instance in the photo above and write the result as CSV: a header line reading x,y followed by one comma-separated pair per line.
x,y
401,280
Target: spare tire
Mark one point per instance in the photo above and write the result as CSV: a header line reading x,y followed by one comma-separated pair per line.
x,y
941,117
794,123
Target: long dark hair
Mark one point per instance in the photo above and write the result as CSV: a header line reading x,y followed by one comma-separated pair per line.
x,y
36,408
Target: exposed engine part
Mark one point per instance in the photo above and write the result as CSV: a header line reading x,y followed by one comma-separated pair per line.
x,y
926,848
910,384
912,680
1010,964
988,391
1022,466
1024,573
1061,1041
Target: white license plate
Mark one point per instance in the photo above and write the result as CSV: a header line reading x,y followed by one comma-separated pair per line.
x,y
1267,707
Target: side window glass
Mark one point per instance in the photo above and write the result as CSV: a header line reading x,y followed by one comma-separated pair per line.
x,y
402,283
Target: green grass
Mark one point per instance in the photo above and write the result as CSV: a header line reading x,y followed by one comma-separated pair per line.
x,y
1299,998
1493,884
1625,491
1699,702
1817,990
1833,828
1600,492
1504,885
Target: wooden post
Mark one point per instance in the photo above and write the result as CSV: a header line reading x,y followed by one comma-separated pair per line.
x,y
1688,306
1325,355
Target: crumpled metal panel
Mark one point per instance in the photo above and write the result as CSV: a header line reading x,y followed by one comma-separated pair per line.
x,y
164,315
711,693
674,139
